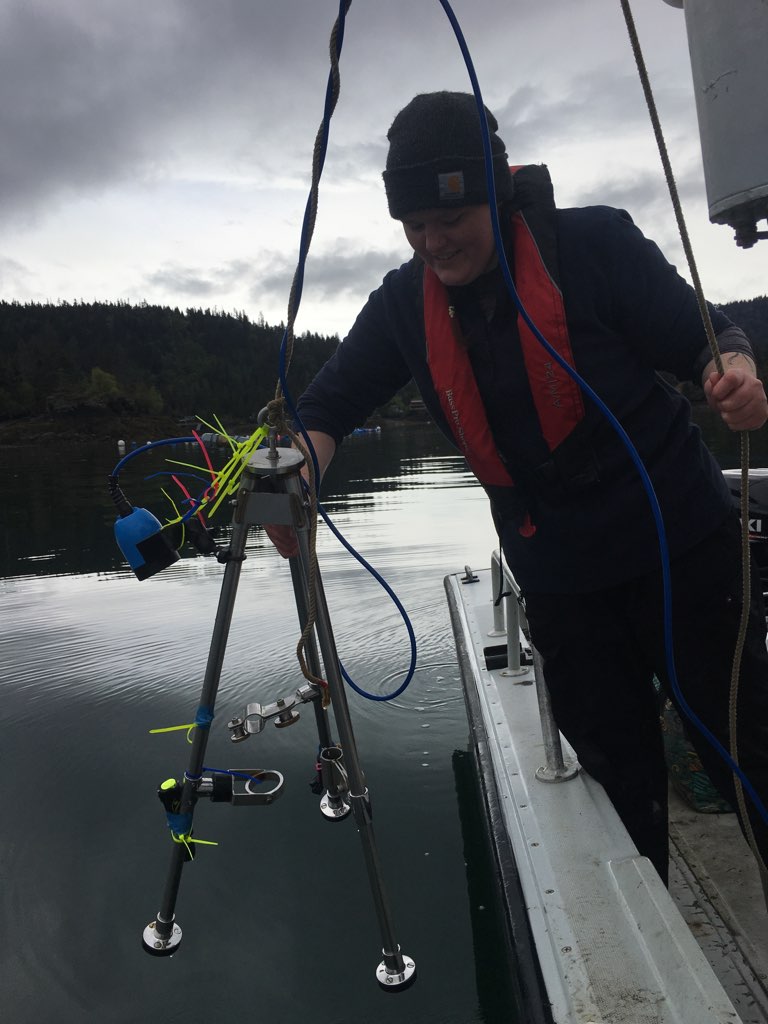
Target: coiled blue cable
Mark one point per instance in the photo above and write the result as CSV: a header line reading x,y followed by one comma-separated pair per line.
x,y
159,444
148,447
380,579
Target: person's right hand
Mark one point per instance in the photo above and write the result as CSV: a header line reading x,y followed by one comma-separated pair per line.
x,y
284,538
739,397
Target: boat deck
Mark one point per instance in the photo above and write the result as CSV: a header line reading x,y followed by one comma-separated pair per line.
x,y
716,885
613,945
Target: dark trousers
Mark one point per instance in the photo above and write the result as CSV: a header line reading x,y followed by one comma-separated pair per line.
x,y
600,653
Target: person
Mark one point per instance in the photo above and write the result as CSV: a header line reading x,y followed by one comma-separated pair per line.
x,y
575,524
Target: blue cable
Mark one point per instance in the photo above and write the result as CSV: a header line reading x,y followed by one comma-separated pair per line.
x,y
234,774
147,447
380,579
188,476
634,455
195,502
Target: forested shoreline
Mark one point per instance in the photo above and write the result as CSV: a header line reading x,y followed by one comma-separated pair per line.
x,y
142,359
94,368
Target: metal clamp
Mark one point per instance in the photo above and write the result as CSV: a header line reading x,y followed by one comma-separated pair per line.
x,y
262,786
255,716
335,805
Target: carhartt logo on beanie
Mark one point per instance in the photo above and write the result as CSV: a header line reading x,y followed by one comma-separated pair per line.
x,y
436,155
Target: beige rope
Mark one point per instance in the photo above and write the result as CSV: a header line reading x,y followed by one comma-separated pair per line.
x,y
707,321
276,415
317,156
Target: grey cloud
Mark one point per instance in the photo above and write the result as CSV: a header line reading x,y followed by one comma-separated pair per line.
x,y
600,106
646,191
13,276
96,92
177,279
336,274
97,96
182,281
330,274
353,274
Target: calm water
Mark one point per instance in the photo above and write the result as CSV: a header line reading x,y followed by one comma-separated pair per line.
x,y
278,922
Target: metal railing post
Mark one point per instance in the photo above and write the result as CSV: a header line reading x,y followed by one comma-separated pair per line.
x,y
506,614
556,768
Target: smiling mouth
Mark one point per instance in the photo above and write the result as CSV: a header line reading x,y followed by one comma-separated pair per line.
x,y
444,259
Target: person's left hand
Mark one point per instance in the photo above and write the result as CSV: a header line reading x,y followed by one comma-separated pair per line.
x,y
739,397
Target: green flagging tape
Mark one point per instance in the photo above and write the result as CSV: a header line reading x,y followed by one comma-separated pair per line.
x,y
203,719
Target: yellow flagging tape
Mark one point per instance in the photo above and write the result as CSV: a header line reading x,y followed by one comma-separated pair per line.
x,y
185,839
227,479
189,726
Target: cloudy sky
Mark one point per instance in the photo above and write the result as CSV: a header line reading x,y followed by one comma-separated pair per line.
x,y
160,150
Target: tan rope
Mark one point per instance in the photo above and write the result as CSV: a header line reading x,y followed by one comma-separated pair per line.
x,y
707,321
276,415
317,155
671,184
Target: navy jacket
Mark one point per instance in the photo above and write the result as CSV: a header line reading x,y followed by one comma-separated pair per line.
x,y
629,316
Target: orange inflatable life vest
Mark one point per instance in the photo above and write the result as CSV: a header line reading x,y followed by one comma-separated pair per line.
x,y
556,396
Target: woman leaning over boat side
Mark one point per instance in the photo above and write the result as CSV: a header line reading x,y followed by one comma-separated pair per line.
x,y
574,521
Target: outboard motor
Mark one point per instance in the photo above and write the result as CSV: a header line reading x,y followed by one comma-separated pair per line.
x,y
758,516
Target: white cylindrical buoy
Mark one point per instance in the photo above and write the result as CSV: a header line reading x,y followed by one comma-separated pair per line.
x,y
727,44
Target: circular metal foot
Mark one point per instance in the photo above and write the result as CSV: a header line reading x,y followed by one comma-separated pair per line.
x,y
396,981
334,810
568,771
511,672
158,946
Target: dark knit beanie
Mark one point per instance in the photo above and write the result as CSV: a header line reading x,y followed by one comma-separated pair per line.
x,y
436,155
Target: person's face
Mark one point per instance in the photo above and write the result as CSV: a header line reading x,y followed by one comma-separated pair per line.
x,y
458,244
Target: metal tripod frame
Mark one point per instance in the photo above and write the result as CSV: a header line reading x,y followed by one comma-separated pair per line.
x,y
271,492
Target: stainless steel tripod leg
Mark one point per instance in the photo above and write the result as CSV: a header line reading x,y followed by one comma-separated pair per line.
x,y
162,936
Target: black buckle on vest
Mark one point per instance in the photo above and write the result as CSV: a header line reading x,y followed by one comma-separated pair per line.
x,y
571,468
